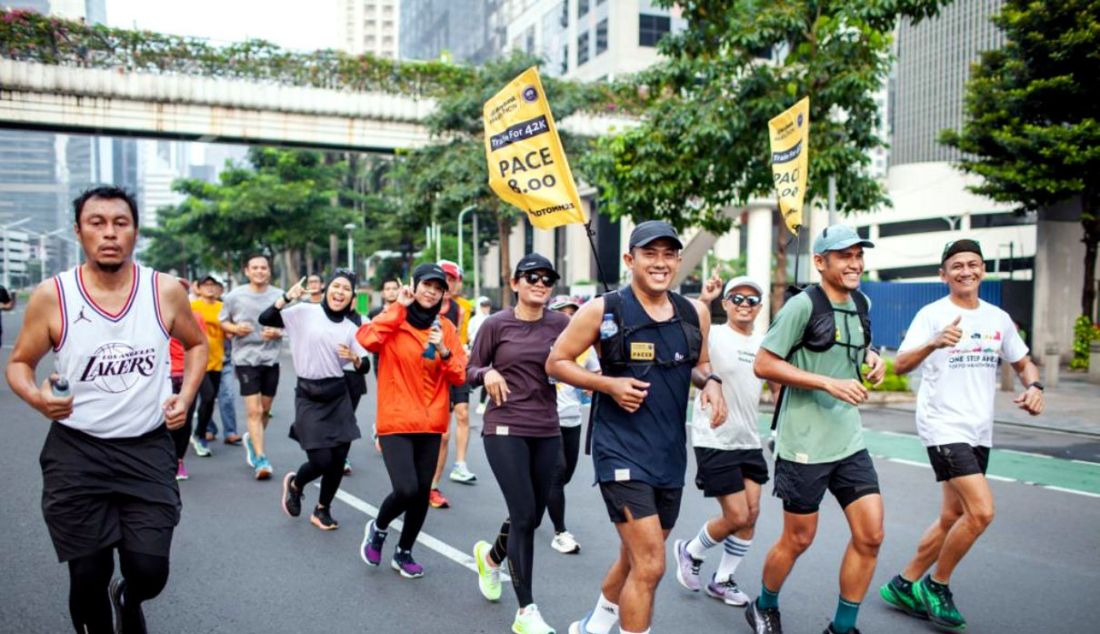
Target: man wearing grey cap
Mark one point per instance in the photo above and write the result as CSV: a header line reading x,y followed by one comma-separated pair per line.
x,y
729,459
652,345
815,348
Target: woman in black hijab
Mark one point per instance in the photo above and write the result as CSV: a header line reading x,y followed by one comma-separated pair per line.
x,y
322,340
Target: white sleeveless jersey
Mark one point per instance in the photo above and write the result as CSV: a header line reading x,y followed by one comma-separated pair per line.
x,y
117,365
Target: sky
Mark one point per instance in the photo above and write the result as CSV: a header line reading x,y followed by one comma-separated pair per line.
x,y
294,24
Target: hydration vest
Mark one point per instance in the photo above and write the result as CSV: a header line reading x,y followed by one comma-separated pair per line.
x,y
821,332
614,357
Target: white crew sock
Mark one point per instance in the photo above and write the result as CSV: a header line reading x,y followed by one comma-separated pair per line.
x,y
734,550
697,547
604,617
622,631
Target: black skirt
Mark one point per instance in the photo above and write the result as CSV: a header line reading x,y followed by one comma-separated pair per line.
x,y
323,415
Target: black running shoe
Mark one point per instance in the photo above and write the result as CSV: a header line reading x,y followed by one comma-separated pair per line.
x,y
323,520
292,497
763,620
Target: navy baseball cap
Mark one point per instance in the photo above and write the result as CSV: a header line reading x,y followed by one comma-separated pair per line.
x,y
838,238
534,262
652,230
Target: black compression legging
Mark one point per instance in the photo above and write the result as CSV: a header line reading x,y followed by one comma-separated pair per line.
x,y
89,577
326,463
567,464
208,395
410,461
181,435
524,469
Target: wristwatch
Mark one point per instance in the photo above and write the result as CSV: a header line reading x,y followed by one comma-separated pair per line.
x,y
1037,385
712,377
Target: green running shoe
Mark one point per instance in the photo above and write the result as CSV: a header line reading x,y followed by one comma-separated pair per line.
x,y
488,578
939,605
902,599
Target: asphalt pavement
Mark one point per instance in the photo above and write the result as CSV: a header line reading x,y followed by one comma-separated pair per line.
x,y
239,565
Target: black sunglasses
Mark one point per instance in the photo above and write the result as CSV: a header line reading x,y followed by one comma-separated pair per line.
x,y
738,299
534,278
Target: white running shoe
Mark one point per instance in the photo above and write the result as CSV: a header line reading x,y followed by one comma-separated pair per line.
x,y
565,544
529,621
462,475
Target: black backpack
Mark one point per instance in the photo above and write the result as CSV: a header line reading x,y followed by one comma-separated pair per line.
x,y
821,332
612,351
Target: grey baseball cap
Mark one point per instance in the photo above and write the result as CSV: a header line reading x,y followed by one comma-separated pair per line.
x,y
838,238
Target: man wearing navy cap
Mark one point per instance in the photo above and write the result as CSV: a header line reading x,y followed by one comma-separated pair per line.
x,y
956,342
819,442
652,345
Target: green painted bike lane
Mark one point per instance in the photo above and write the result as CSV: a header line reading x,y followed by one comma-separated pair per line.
x,y
1075,476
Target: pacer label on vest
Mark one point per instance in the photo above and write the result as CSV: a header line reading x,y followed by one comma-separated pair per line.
x,y
642,351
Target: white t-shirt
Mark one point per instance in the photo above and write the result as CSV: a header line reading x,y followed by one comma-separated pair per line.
x,y
731,358
957,385
314,338
569,403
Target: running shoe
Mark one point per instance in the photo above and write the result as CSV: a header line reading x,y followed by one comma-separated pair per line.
x,y
232,439
488,577
727,591
687,567
292,497
322,519
901,595
115,590
436,499
763,620
565,544
199,445
403,562
263,468
830,630
529,621
370,549
581,626
249,450
181,470
347,467
462,475
939,604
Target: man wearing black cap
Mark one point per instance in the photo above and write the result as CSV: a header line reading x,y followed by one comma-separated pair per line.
x,y
652,345
956,342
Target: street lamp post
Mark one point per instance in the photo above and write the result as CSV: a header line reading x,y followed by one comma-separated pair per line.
x,y
42,248
351,247
7,260
461,216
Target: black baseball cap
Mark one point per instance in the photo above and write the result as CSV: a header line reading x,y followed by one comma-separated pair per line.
x,y
534,262
430,271
651,230
966,245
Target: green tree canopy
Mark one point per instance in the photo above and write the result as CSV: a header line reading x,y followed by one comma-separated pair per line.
x,y
703,143
1032,116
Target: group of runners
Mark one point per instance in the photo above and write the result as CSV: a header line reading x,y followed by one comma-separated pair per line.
x,y
119,395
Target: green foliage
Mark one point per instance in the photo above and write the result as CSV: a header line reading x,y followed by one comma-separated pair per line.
x,y
703,144
1032,115
1084,333
893,382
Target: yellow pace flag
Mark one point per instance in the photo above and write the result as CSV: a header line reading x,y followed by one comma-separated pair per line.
x,y
790,137
527,165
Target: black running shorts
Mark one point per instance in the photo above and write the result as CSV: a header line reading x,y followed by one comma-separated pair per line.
x,y
803,486
636,500
100,493
460,395
723,472
957,459
258,379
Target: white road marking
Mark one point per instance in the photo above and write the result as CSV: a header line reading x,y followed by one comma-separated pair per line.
x,y
1065,490
1050,487
463,559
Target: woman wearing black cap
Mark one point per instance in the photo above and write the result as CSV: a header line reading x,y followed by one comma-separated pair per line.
x,y
521,431
322,339
420,357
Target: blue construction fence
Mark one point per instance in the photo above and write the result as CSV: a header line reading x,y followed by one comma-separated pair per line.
x,y
894,304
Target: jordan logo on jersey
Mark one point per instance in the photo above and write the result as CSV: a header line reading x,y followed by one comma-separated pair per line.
x,y
116,367
81,317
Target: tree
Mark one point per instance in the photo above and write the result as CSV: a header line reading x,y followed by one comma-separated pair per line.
x,y
1032,116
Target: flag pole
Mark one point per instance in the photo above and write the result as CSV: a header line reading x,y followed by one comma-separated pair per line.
x,y
591,233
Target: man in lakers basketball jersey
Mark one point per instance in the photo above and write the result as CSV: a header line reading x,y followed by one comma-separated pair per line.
x,y
108,464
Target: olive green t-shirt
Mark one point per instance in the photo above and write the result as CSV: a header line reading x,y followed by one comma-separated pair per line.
x,y
813,426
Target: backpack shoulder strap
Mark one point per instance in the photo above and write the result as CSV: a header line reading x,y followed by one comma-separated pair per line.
x,y
685,309
860,301
821,306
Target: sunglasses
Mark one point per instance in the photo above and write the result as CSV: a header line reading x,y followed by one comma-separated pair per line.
x,y
534,278
738,299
